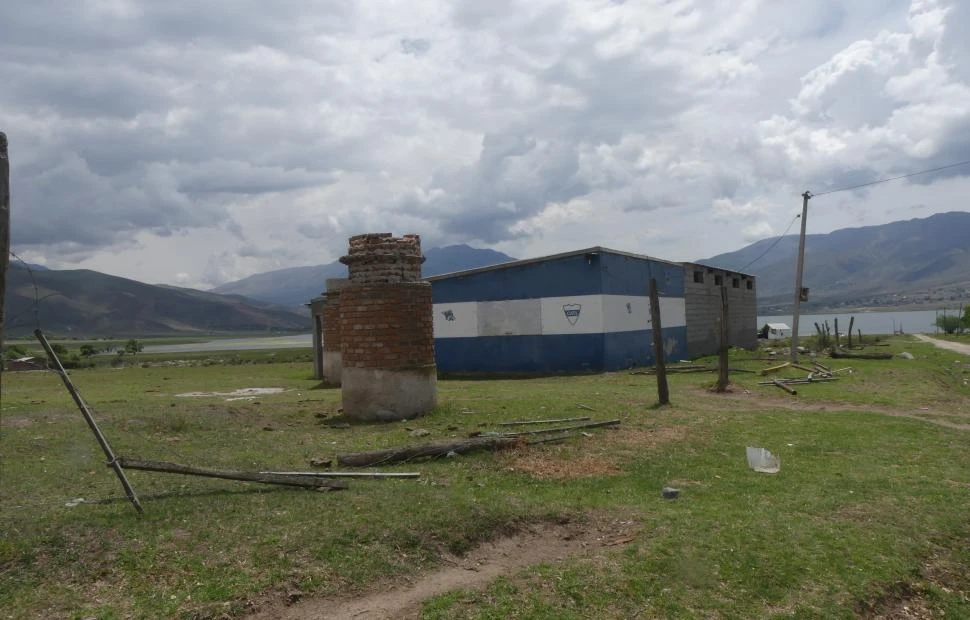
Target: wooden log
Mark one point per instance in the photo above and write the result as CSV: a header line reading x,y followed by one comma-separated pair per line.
x,y
409,453
561,429
549,421
800,367
838,354
345,474
836,321
781,385
770,369
243,476
663,391
586,407
849,333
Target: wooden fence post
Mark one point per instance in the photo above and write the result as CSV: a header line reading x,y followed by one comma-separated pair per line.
x,y
722,365
663,391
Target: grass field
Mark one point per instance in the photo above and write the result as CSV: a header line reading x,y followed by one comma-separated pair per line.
x,y
868,516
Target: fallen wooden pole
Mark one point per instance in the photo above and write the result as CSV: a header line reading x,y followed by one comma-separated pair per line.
x,y
781,385
55,364
765,371
243,476
344,474
559,429
586,407
860,356
408,453
550,421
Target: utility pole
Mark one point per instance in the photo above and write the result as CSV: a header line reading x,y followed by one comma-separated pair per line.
x,y
799,266
4,232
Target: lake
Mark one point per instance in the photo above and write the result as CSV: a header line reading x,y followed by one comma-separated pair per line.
x,y
868,322
295,341
911,322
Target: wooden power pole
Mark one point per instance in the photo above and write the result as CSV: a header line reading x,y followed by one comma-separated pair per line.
x,y
799,267
4,234
663,391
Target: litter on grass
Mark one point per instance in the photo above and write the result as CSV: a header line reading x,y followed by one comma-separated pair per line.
x,y
763,461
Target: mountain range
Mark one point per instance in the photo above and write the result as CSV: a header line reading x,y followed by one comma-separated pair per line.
x,y
297,285
89,303
907,263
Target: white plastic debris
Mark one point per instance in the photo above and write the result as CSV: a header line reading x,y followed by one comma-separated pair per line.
x,y
763,461
75,502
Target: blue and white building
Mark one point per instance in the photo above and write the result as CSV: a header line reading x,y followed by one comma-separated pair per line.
x,y
587,310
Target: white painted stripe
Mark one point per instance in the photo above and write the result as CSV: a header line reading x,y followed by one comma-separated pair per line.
x,y
513,317
459,320
582,314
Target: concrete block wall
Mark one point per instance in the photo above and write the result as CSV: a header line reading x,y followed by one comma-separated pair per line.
x,y
703,308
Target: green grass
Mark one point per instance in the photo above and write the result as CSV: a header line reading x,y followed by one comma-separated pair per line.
x,y
866,500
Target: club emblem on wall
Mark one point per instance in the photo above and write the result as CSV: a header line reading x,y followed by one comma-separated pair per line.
x,y
449,315
629,308
572,312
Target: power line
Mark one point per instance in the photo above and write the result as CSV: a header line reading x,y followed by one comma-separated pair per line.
x,y
770,247
902,176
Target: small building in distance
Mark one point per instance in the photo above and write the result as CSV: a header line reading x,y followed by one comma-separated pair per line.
x,y
26,363
774,331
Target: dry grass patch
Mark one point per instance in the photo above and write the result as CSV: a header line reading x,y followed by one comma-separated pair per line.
x,y
549,465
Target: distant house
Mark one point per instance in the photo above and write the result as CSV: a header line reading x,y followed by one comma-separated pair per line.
x,y
26,363
774,331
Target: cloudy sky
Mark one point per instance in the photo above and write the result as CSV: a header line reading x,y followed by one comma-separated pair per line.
x,y
199,142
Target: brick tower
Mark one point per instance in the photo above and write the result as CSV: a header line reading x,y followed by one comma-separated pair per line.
x,y
386,330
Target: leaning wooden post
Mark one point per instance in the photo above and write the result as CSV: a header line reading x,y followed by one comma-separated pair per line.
x,y
4,234
837,343
849,333
102,441
663,391
722,361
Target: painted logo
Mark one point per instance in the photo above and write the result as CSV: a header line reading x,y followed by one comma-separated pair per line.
x,y
629,308
449,315
572,312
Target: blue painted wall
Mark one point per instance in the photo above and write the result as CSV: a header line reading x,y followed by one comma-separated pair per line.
x,y
574,275
604,273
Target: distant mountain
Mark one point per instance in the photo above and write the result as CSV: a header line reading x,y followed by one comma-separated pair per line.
x,y
297,285
90,303
921,261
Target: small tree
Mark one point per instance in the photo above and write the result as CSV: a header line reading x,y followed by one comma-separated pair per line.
x,y
949,323
87,350
58,349
13,352
966,318
133,346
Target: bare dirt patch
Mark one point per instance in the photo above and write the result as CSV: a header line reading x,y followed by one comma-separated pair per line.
x,y
539,544
546,466
239,394
598,459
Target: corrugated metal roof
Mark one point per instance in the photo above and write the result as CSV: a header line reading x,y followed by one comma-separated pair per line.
x,y
541,259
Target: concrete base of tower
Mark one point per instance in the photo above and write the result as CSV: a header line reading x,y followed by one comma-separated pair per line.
x,y
332,367
374,395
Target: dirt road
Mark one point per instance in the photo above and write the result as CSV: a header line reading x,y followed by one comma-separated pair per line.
x,y
944,344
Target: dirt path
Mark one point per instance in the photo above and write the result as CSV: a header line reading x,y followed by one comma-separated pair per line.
x,y
956,347
540,544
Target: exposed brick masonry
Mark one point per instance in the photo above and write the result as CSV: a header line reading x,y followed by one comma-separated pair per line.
x,y
387,326
382,258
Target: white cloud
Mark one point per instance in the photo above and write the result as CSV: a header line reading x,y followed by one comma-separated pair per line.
x,y
190,143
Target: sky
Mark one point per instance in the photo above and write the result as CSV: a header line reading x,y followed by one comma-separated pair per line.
x,y
195,143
